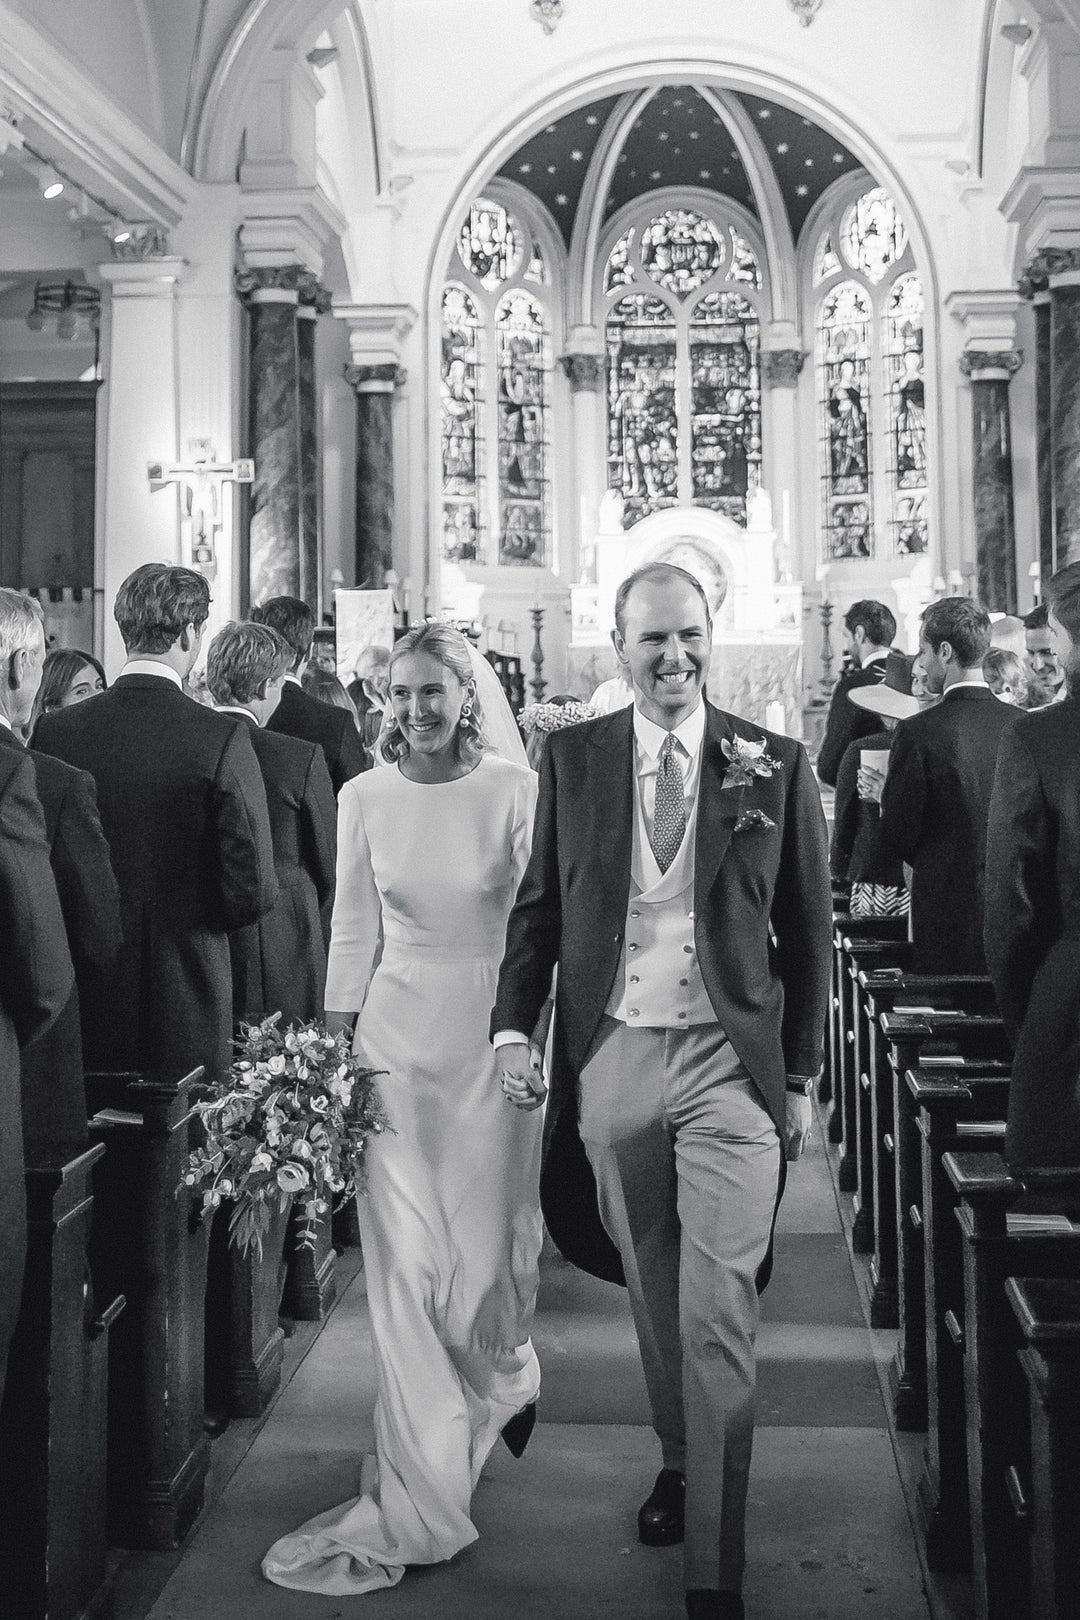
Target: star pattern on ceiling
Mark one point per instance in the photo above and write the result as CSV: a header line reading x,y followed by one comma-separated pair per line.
x,y
553,163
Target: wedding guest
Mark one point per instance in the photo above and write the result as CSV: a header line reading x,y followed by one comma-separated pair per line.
x,y
1042,656
279,962
877,881
1010,679
36,981
431,850
53,1092
538,720
299,714
1033,905
68,677
183,808
936,797
679,879
368,689
325,685
869,628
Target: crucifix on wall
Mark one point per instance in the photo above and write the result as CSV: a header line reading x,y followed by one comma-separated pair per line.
x,y
200,481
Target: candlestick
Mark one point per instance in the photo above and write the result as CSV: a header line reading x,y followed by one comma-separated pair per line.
x,y
538,684
775,718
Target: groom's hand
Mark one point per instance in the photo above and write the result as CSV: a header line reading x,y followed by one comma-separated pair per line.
x,y
800,1113
522,1082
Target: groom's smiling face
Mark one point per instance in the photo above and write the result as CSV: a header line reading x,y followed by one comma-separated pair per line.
x,y
664,643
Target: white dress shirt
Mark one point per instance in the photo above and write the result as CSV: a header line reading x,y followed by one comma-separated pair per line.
x,y
150,666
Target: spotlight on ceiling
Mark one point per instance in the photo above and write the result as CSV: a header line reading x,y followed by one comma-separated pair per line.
x,y
51,184
123,234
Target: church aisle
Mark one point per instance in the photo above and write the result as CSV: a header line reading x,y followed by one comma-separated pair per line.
x,y
829,1536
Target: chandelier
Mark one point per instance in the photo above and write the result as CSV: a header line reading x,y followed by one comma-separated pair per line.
x,y
69,301
547,13
805,10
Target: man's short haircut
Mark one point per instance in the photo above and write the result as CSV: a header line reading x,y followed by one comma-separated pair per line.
x,y
293,620
156,603
21,619
878,622
656,573
1039,617
963,624
242,658
1063,595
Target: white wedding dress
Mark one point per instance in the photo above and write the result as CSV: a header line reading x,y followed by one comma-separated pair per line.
x,y
450,1219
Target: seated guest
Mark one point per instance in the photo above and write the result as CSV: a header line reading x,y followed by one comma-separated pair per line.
x,y
869,628
1042,656
279,962
300,715
936,797
1010,679
183,807
1033,905
36,981
53,1093
368,690
877,881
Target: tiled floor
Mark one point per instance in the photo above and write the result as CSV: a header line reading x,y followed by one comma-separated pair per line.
x,y
829,1534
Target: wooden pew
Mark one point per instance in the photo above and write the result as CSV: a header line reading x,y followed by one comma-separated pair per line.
x,y
961,1108
148,1244
995,1391
244,1341
968,1026
53,1542
1048,1313
310,1281
863,955
829,1084
842,1121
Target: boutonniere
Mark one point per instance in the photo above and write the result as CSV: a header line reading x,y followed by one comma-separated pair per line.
x,y
754,818
745,761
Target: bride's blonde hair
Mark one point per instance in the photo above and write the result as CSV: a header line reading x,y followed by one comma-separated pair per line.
x,y
452,650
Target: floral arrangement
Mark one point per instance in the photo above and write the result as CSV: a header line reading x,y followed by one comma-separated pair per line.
x,y
554,716
292,1120
746,760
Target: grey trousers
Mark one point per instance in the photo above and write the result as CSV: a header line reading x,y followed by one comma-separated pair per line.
x,y
686,1159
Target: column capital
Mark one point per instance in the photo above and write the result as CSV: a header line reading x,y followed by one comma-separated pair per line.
x,y
991,365
315,299
377,332
1056,266
288,226
276,284
143,278
585,372
377,379
781,368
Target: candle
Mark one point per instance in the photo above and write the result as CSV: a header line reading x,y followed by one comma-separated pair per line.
x,y
775,719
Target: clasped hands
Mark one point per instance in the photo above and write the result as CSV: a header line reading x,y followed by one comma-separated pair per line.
x,y
522,1068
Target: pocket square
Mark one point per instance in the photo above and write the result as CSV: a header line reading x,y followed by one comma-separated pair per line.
x,y
754,818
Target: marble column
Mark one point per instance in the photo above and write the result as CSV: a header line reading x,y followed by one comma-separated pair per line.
x,y
374,387
990,371
781,369
274,526
1063,274
314,301
1034,285
585,373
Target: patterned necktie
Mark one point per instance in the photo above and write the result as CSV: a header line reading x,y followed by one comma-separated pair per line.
x,y
669,817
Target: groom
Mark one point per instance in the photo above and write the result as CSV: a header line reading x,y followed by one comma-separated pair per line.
x,y
679,878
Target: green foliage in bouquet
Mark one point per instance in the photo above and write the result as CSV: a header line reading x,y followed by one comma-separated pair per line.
x,y
292,1120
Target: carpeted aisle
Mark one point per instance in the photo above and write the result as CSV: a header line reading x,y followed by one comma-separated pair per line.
x,y
829,1536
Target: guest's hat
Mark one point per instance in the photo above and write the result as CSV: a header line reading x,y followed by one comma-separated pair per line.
x,y
892,698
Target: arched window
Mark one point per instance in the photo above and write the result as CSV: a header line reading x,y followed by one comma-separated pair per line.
x,y
496,392
681,290
868,321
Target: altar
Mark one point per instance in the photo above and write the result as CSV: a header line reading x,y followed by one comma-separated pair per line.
x,y
757,619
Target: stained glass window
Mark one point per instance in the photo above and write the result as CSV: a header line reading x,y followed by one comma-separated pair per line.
x,y
619,273
725,421
902,342
461,380
681,250
524,365
826,263
844,371
743,262
872,234
643,429
496,392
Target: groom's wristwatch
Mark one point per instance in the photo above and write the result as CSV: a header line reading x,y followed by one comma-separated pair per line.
x,y
801,1084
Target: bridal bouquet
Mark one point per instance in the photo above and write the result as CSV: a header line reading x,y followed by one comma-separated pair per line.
x,y
292,1120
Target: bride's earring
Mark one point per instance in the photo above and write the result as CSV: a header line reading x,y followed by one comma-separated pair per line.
x,y
466,715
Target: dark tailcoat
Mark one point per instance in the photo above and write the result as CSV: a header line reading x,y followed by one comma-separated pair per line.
x,y
762,921
183,808
279,962
855,856
1033,930
36,982
846,723
301,715
934,812
53,1094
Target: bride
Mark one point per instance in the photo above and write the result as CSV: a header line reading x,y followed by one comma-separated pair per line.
x,y
430,853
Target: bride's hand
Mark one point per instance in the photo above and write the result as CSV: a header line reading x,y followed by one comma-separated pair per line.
x,y
522,1079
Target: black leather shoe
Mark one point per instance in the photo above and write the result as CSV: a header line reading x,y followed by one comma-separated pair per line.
x,y
703,1604
516,1433
660,1518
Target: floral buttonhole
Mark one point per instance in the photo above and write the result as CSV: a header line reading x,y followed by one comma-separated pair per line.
x,y
745,761
754,818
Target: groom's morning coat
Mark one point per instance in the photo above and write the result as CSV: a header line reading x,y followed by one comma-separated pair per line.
x,y
762,922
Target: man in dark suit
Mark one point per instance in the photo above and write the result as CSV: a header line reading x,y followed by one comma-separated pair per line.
x,y
679,878
1040,649
936,799
36,982
53,1094
279,962
1033,907
183,808
299,714
869,628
